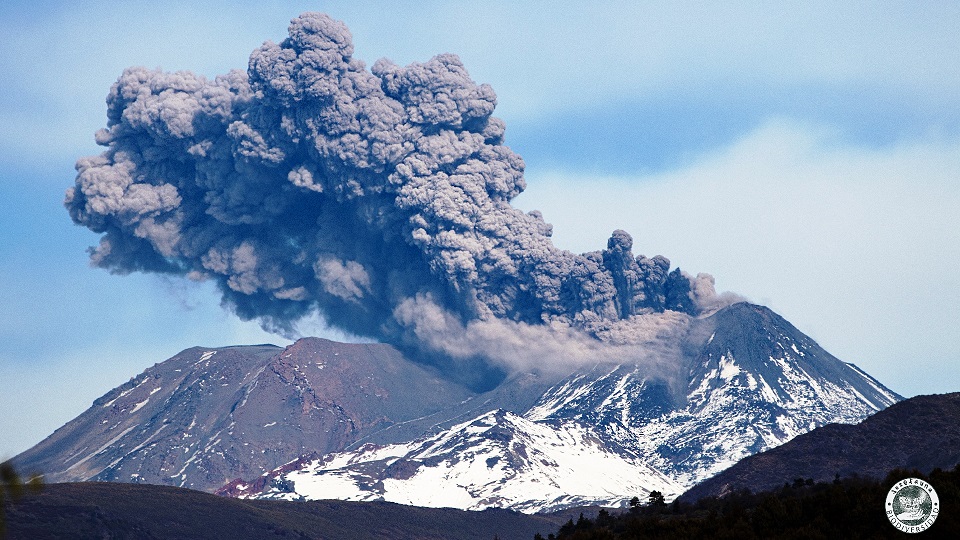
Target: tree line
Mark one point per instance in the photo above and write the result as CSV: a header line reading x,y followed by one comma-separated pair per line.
x,y
850,507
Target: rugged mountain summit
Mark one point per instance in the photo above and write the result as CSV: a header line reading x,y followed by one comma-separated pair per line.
x,y
321,419
753,381
920,433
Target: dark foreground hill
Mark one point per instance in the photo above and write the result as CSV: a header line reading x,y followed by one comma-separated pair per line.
x,y
850,508
921,433
132,511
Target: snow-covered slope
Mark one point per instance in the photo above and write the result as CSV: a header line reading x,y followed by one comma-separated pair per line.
x,y
755,383
609,432
496,460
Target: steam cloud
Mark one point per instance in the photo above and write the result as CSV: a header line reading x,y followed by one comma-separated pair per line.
x,y
380,199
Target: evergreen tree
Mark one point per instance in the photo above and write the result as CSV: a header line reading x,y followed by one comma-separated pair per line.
x,y
13,487
844,508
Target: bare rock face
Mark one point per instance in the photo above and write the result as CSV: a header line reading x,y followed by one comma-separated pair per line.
x,y
207,416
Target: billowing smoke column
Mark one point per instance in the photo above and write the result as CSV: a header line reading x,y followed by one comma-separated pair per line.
x,y
380,199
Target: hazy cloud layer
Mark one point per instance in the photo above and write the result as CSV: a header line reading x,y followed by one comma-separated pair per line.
x,y
380,198
856,246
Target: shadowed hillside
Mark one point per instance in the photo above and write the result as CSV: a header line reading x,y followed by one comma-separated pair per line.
x,y
117,510
920,433
851,508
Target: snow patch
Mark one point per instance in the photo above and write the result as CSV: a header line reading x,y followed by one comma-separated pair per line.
x,y
728,368
139,406
496,460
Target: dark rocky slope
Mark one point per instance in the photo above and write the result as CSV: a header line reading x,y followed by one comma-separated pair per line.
x,y
921,433
144,512
208,415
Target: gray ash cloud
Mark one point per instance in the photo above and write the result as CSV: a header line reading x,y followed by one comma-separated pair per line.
x,y
379,198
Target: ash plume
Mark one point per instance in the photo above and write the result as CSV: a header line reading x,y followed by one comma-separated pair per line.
x,y
379,198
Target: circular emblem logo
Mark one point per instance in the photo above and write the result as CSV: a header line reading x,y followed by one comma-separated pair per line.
x,y
912,505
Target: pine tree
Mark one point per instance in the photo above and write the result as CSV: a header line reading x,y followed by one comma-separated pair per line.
x,y
13,487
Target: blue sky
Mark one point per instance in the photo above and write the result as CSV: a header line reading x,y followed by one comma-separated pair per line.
x,y
808,158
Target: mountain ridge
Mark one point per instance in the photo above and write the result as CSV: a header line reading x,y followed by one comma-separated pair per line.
x,y
746,380
279,400
921,433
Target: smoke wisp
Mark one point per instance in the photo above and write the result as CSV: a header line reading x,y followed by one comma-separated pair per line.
x,y
379,198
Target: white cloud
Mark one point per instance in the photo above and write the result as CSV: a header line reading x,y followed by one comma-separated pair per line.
x,y
857,247
562,55
540,58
